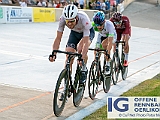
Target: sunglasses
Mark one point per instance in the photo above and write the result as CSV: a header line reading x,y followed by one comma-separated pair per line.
x,y
99,25
70,21
117,23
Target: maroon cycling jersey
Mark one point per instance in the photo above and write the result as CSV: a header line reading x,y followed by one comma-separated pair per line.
x,y
125,27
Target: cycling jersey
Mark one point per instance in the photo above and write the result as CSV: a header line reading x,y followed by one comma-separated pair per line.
x,y
83,25
108,31
124,29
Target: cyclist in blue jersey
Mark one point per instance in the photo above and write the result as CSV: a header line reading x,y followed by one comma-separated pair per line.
x,y
106,35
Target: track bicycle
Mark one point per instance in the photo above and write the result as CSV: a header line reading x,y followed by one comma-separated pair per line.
x,y
65,87
97,74
118,61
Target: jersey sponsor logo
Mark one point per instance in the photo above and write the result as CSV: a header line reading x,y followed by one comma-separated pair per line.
x,y
79,28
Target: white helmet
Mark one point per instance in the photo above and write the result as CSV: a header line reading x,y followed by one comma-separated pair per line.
x,y
70,11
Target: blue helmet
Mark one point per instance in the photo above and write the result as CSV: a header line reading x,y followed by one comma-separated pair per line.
x,y
99,18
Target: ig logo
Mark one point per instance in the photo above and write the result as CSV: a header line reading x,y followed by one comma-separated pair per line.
x,y
115,104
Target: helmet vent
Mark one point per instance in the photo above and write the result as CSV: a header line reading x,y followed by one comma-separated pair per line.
x,y
71,14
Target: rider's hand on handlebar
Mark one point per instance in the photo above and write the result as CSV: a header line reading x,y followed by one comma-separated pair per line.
x,y
52,58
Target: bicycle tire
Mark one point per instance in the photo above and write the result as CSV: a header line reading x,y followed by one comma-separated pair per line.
x,y
78,88
93,82
107,79
59,108
116,69
124,70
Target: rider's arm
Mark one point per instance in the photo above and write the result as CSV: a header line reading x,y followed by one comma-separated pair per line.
x,y
57,40
86,32
126,32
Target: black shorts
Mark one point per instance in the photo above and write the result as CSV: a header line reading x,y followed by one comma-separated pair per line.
x,y
103,38
75,37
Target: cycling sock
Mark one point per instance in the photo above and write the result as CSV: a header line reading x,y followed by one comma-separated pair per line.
x,y
84,68
126,56
108,63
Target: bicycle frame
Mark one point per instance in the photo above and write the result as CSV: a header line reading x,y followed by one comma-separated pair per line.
x,y
69,86
118,56
96,74
118,60
67,66
97,57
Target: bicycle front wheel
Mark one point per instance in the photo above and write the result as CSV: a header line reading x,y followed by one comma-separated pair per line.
x,y
115,69
93,80
78,88
107,79
60,94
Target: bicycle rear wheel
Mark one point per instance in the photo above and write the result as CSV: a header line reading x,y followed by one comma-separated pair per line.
x,y
93,80
78,88
60,94
124,69
107,79
115,69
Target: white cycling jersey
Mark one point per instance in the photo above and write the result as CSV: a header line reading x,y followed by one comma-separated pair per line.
x,y
83,25
108,31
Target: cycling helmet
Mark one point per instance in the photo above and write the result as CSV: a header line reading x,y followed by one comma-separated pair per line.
x,y
70,11
99,18
117,16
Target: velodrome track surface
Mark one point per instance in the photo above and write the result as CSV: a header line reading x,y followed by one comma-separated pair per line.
x,y
27,79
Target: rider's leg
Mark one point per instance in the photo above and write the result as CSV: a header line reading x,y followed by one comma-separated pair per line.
x,y
126,47
107,44
69,49
80,47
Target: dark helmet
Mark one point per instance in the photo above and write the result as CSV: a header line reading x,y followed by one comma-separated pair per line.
x,y
99,18
117,16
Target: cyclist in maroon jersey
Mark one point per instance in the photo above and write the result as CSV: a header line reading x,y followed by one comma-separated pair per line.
x,y
123,29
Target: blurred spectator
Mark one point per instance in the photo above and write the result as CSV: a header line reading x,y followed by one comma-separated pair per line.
x,y
5,1
39,3
103,5
63,3
117,1
14,1
81,3
58,4
107,4
54,4
75,3
113,2
44,3
90,5
0,1
98,5
94,5
23,3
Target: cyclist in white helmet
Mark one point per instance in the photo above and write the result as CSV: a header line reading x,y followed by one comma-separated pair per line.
x,y
81,35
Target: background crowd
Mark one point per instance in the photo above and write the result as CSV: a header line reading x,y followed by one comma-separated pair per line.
x,y
81,4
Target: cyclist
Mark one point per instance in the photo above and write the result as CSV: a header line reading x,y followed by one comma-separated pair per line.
x,y
123,30
81,35
106,35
